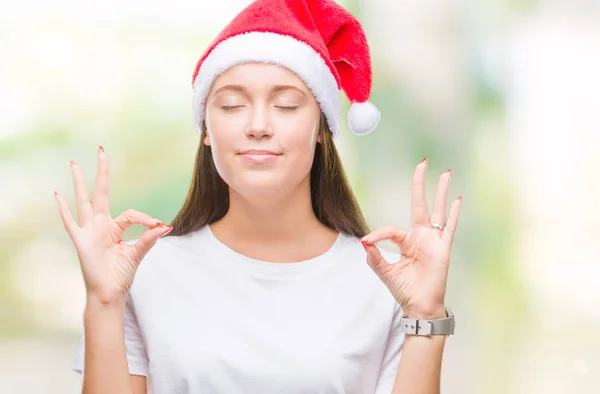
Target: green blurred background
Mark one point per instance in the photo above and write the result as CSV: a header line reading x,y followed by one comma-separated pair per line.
x,y
503,92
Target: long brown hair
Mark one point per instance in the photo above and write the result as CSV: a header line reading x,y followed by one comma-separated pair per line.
x,y
332,199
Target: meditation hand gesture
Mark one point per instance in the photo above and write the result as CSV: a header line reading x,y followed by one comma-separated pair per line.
x,y
108,264
418,280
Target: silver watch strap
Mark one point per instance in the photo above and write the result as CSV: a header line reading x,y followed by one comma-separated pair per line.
x,y
428,327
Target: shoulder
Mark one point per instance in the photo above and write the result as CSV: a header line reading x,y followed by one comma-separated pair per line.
x,y
170,256
365,281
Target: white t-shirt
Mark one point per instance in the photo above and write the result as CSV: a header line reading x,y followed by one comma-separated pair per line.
x,y
204,319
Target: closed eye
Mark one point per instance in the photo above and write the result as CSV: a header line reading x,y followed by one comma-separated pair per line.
x,y
229,107
287,108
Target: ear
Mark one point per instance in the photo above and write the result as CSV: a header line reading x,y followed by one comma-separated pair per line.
x,y
319,139
319,128
206,136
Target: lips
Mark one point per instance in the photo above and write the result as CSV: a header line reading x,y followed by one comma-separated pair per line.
x,y
259,152
259,156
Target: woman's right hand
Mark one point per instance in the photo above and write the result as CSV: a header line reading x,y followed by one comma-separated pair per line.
x,y
108,264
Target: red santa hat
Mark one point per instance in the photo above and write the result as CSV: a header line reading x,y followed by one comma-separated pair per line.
x,y
317,39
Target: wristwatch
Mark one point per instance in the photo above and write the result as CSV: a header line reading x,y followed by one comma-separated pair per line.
x,y
428,327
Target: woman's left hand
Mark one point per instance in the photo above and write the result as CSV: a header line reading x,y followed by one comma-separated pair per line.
x,y
418,280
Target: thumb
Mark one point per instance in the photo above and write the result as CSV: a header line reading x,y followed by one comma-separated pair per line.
x,y
148,239
374,258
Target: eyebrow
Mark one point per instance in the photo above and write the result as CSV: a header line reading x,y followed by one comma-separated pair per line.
x,y
274,89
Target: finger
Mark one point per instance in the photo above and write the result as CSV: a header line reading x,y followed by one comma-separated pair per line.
x,y
65,214
148,239
84,207
450,229
419,212
101,187
395,234
130,217
375,260
441,196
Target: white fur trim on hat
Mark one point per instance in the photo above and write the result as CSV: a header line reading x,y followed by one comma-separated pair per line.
x,y
272,48
363,118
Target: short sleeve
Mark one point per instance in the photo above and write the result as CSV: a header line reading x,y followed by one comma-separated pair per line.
x,y
391,356
137,357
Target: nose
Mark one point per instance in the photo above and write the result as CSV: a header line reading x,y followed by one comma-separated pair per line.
x,y
259,126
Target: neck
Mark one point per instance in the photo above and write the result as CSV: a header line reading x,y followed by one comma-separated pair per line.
x,y
280,227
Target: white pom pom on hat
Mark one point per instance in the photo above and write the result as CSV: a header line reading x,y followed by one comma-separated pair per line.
x,y
319,40
363,118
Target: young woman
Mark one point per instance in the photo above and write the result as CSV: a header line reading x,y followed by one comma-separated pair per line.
x,y
270,280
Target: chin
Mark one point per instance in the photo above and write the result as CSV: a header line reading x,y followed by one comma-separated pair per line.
x,y
261,186
262,181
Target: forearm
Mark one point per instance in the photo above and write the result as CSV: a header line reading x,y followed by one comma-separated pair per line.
x,y
105,369
420,365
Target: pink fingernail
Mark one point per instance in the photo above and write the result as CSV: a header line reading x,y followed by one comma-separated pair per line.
x,y
168,231
424,160
460,199
100,149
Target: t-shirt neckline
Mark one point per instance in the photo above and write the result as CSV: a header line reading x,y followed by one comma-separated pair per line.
x,y
271,269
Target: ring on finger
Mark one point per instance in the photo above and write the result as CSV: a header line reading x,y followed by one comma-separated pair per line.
x,y
437,226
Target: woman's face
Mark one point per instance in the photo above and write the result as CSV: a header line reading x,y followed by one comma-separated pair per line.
x,y
267,109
